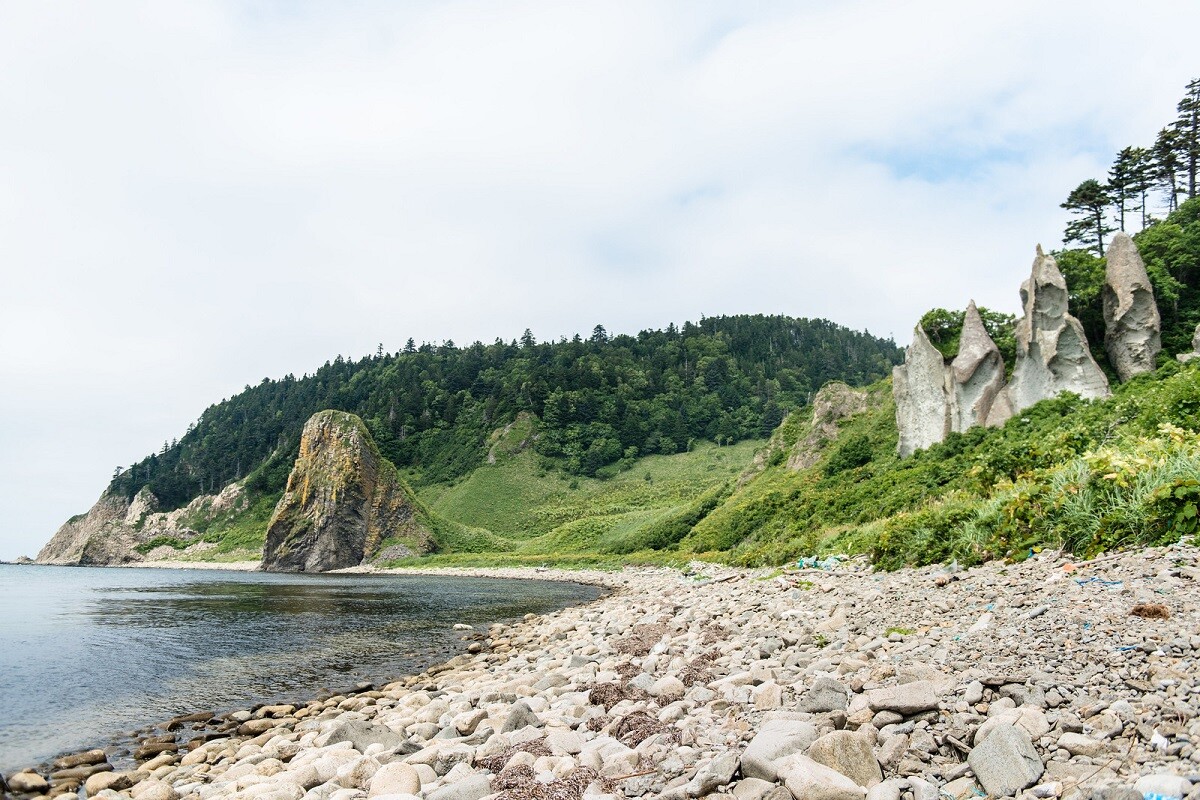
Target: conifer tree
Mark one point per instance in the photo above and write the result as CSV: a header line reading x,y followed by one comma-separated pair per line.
x,y
1089,201
1187,126
1123,184
1166,165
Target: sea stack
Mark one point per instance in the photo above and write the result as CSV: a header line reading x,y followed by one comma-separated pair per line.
x,y
1052,349
976,374
1132,328
919,388
343,499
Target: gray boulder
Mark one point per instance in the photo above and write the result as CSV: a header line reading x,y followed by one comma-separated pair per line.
x,y
976,374
469,788
1132,328
718,772
922,401
777,739
850,754
810,780
1006,762
1052,350
825,695
521,716
906,699
362,735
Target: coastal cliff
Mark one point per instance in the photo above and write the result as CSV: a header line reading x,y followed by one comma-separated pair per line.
x,y
117,530
343,501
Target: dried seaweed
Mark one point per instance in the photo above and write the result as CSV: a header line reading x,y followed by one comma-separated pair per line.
x,y
641,639
609,694
523,786
639,726
536,747
698,669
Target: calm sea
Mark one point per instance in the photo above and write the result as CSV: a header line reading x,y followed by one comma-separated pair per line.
x,y
89,655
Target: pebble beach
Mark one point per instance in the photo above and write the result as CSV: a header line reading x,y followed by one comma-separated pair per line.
x,y
1049,678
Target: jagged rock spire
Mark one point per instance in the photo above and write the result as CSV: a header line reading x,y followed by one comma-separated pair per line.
x,y
1132,328
919,386
976,374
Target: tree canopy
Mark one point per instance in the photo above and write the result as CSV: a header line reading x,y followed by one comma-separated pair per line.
x,y
599,400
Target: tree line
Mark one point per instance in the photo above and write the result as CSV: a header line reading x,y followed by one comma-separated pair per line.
x,y
601,400
1165,171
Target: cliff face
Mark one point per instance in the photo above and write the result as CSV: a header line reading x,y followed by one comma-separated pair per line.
x,y
114,529
98,537
342,500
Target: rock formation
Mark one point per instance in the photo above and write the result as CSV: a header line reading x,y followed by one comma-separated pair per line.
x,y
98,537
1132,327
922,401
1052,350
1186,357
342,500
976,374
116,530
834,402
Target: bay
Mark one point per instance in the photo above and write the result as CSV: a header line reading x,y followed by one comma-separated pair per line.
x,y
89,654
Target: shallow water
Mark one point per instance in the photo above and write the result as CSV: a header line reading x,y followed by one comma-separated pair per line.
x,y
89,654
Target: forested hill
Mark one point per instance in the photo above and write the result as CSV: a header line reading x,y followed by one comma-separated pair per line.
x,y
602,401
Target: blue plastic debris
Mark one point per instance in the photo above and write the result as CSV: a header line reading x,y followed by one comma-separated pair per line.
x,y
1094,579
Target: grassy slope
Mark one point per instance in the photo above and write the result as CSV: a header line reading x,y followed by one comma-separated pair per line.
x,y
1088,476
547,516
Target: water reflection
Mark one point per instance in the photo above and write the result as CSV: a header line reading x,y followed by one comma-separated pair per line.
x,y
85,652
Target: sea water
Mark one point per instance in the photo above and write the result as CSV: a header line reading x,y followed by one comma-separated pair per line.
x,y
88,655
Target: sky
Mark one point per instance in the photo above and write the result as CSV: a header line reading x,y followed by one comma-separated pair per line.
x,y
197,195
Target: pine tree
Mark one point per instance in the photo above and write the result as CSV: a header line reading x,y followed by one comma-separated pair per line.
x,y
1187,126
1143,180
1122,184
1089,201
1166,165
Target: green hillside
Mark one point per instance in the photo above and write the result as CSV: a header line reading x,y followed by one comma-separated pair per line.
x,y
601,402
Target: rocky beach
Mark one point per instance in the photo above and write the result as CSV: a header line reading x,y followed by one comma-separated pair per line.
x,y
1043,679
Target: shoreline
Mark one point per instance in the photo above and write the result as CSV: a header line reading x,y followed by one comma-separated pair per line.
x,y
749,681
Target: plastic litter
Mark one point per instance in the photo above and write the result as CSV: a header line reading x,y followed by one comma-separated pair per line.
x,y
810,562
1101,582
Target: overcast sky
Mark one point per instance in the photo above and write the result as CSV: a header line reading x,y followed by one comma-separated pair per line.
x,y
194,196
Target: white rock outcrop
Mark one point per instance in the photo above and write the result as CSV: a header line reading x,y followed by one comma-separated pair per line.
x,y
1132,328
976,374
1052,350
919,386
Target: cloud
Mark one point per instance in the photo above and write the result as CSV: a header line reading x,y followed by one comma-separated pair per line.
x,y
194,196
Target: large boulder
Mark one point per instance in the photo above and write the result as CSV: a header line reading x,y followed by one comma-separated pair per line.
x,y
343,499
919,386
976,374
1052,350
1132,328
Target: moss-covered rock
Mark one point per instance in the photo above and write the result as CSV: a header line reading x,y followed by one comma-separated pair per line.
x,y
343,499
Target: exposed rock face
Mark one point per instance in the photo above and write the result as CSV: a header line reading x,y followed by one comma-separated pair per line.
x,y
98,537
342,500
976,374
1052,350
1132,328
114,528
919,386
834,402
